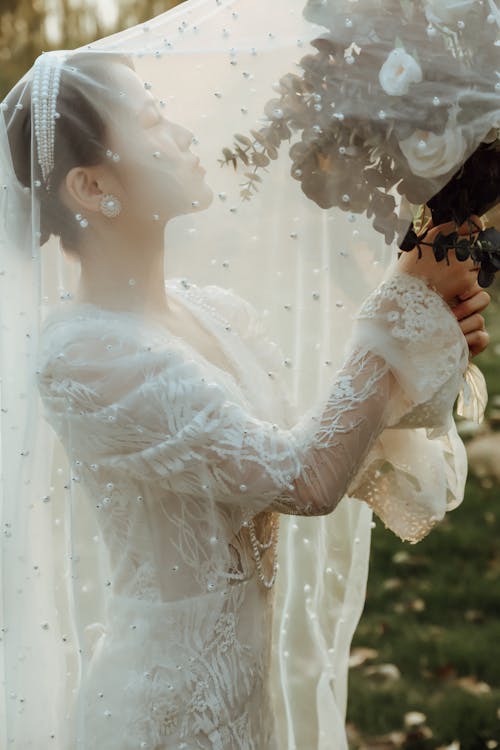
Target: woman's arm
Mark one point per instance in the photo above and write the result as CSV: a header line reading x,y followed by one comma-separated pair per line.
x,y
157,417
407,360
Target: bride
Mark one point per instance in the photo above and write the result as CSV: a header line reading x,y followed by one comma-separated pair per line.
x,y
184,448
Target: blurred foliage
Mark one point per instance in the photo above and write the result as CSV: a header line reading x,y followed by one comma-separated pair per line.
x,y
428,644
426,654
29,27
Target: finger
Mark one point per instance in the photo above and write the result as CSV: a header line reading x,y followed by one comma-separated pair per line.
x,y
475,304
477,342
472,225
448,228
473,219
475,289
465,278
473,323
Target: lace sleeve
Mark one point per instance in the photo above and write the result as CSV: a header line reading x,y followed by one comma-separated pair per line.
x,y
431,364
158,417
410,475
417,468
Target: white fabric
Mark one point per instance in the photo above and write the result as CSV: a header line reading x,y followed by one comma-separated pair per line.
x,y
148,422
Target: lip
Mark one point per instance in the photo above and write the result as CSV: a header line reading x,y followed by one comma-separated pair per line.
x,y
197,165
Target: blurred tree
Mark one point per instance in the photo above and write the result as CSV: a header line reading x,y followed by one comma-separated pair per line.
x,y
28,27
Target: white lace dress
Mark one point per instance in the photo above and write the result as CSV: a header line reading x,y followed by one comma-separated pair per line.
x,y
177,456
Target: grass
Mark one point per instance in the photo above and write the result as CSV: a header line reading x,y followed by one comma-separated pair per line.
x,y
432,610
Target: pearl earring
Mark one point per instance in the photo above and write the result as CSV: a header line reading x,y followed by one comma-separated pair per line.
x,y
82,221
110,206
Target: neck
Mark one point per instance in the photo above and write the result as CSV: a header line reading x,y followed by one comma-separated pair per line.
x,y
124,274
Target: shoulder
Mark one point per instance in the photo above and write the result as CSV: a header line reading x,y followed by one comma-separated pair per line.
x,y
86,332
222,302
95,367
106,351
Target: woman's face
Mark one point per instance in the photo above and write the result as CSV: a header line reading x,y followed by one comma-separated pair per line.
x,y
160,176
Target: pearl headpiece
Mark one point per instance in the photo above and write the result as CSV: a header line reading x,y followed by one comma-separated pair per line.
x,y
45,88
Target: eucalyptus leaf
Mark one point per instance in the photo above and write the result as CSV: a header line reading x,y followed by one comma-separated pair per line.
x,y
243,139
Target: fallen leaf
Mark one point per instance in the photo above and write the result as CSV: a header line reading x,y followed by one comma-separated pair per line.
x,y
415,719
392,583
474,615
472,685
385,671
446,671
360,655
401,557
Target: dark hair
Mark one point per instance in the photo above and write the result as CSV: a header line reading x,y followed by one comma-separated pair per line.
x,y
80,135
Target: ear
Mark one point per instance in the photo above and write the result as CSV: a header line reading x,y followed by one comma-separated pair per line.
x,y
84,188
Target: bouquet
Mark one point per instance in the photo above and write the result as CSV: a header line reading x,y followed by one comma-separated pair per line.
x,y
381,105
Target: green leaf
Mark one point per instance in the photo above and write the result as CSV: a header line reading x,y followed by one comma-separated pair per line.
x,y
462,249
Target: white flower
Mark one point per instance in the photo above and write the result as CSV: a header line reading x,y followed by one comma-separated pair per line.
x,y
447,12
431,155
398,72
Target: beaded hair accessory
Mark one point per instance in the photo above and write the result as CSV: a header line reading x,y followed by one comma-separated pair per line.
x,y
45,88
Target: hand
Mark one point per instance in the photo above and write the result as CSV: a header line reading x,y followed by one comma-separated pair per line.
x,y
453,281
467,312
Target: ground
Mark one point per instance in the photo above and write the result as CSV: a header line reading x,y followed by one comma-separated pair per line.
x,y
426,655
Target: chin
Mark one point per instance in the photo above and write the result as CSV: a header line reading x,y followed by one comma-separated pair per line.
x,y
205,199
210,195
202,197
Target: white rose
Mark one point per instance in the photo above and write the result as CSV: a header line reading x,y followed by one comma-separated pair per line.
x,y
431,155
398,72
447,12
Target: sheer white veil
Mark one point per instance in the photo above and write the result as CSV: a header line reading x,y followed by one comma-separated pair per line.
x,y
212,64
